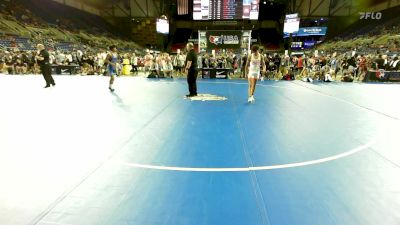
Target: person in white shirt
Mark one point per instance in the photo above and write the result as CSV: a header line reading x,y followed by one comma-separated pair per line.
x,y
167,66
79,55
52,58
134,63
180,63
148,61
395,64
68,58
254,63
60,58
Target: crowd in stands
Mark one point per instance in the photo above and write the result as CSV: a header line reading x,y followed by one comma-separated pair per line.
x,y
78,39
369,36
346,67
158,64
23,24
224,61
324,67
366,45
24,62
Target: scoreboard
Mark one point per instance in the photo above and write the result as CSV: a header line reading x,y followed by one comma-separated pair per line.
x,y
225,9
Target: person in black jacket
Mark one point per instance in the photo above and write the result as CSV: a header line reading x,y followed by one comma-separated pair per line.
x,y
191,70
43,61
380,62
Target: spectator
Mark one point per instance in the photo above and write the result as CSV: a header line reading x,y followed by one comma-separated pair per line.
x,y
380,62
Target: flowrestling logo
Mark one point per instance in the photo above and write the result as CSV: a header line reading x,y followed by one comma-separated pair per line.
x,y
224,40
370,15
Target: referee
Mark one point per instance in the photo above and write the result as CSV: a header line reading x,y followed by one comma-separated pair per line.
x,y
43,61
191,69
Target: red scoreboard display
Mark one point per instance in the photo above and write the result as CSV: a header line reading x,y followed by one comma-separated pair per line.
x,y
225,9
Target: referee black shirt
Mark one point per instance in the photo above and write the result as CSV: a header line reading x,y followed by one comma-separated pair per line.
x,y
45,54
192,56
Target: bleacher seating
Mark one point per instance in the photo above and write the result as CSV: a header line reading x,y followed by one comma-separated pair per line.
x,y
64,46
369,36
58,26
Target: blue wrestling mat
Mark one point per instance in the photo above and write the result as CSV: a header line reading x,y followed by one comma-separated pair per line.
x,y
301,154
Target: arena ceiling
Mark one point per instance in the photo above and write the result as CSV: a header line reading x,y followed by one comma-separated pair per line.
x,y
333,8
99,3
130,8
306,8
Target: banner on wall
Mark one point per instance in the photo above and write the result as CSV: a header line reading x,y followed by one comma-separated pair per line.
x,y
309,31
223,39
297,45
309,44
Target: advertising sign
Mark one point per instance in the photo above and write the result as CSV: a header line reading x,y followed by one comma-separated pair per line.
x,y
223,39
309,44
309,31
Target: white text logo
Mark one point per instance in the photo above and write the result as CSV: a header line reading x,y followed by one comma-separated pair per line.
x,y
370,15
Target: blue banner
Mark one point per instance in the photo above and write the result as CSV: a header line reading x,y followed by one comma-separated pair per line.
x,y
309,44
309,31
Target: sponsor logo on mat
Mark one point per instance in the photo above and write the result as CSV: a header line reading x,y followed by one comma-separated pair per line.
x,y
207,97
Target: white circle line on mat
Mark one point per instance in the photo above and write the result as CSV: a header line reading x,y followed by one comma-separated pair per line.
x,y
248,169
